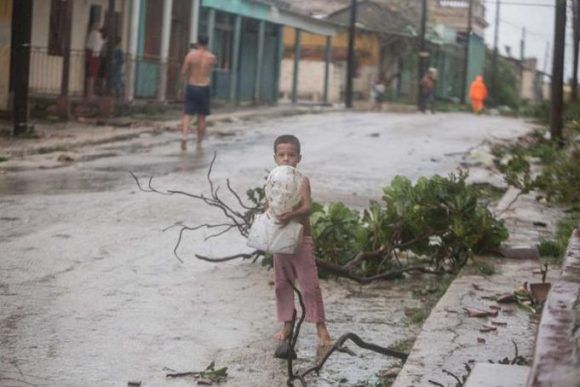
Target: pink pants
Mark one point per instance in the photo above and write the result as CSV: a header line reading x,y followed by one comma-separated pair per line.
x,y
299,267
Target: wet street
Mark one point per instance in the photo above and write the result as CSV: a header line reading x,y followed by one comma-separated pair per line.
x,y
92,295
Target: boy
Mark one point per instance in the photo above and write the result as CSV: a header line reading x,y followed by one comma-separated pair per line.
x,y
301,265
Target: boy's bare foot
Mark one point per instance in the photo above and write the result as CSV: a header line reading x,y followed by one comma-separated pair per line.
x,y
323,335
285,332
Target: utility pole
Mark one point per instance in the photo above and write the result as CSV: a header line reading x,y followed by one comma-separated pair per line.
x,y
466,55
576,44
63,102
111,43
422,52
557,93
21,35
522,58
350,61
494,86
523,44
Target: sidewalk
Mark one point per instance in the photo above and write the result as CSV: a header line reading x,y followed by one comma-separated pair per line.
x,y
449,338
54,137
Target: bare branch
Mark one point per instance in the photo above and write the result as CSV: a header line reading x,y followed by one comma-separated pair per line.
x,y
338,345
237,196
209,173
220,233
341,272
359,342
228,258
150,187
361,257
453,376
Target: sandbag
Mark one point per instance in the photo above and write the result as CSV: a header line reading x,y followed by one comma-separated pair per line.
x,y
283,194
267,235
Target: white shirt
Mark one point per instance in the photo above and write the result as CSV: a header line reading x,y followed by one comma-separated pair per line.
x,y
95,42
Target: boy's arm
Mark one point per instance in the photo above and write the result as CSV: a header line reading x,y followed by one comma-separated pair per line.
x,y
304,208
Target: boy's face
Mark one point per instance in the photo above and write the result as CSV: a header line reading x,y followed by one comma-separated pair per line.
x,y
287,154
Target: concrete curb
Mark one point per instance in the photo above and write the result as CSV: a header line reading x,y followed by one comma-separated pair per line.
x,y
557,356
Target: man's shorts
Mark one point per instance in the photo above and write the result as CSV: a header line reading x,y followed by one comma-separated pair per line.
x,y
94,63
196,100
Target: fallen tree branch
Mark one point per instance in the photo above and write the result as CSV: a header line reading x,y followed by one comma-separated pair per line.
x,y
254,254
337,346
392,274
236,219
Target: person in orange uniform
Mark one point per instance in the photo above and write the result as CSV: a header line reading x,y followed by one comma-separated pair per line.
x,y
477,94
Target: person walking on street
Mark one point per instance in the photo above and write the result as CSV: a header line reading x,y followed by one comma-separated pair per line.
x,y
478,94
197,67
427,86
377,94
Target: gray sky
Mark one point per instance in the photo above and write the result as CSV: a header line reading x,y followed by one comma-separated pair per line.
x,y
539,24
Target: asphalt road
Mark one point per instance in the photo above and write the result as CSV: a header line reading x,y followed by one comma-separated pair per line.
x,y
91,293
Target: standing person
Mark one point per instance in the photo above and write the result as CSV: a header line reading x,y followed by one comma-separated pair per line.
x,y
478,94
197,67
117,69
377,93
93,47
427,86
104,62
301,266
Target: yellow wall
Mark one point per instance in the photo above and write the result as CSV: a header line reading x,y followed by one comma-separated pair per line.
x,y
312,46
5,36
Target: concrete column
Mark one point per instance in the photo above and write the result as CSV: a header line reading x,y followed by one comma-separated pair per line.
x,y
296,63
259,62
235,59
132,50
327,59
194,22
279,57
165,35
211,28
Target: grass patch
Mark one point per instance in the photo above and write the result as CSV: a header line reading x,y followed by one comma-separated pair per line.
x,y
417,316
552,250
3,159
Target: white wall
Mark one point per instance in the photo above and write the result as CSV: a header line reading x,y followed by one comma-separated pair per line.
x,y
46,70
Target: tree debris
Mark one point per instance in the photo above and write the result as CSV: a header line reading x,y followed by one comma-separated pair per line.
x,y
206,377
337,346
475,312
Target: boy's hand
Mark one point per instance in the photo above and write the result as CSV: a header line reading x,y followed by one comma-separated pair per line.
x,y
284,218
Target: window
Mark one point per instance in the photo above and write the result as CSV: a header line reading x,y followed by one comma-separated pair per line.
x,y
224,37
454,3
58,27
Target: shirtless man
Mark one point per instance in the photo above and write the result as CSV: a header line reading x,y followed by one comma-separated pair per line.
x,y
197,68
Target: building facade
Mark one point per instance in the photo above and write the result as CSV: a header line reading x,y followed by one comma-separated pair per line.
x,y
155,35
